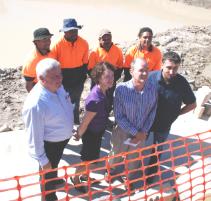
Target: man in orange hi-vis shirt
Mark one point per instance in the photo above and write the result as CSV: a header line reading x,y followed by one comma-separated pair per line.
x,y
72,52
143,49
42,41
107,51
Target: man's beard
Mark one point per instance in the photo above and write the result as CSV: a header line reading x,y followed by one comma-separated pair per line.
x,y
44,51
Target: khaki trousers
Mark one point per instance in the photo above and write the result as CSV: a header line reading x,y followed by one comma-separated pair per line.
x,y
117,143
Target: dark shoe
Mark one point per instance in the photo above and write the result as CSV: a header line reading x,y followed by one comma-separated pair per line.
x,y
58,181
81,189
109,180
149,180
112,178
51,197
86,178
131,187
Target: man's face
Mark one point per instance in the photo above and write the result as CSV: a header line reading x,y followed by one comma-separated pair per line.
x,y
169,70
43,46
145,40
52,80
71,35
140,72
106,41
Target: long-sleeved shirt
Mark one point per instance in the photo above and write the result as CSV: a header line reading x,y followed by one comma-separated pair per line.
x,y
135,110
48,117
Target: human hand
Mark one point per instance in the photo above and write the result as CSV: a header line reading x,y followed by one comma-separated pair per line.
x,y
140,136
76,136
47,166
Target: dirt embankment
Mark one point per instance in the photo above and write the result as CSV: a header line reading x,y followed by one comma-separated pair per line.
x,y
199,3
192,43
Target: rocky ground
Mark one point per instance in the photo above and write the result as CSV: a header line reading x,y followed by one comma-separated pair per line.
x,y
192,43
200,3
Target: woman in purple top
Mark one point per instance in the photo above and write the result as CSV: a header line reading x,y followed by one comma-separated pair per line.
x,y
95,119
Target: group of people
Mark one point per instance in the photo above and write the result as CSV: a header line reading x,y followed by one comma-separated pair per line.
x,y
145,102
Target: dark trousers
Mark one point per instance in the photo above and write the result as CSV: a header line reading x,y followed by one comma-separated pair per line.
x,y
54,151
75,95
158,137
73,82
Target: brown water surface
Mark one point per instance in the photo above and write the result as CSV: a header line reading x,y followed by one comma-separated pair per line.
x,y
18,19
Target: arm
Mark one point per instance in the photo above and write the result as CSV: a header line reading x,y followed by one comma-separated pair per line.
x,y
158,64
188,97
92,60
128,59
84,124
187,108
29,85
34,122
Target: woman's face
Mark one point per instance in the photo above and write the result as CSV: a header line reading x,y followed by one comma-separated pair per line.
x,y
107,79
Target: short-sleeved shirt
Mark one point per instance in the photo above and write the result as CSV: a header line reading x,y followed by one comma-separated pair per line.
x,y
113,56
97,102
71,55
170,99
153,58
29,67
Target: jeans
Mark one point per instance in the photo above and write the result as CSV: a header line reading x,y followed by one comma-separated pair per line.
x,y
158,137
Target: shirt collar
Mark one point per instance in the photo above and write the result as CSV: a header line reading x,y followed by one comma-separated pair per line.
x,y
131,85
46,92
105,49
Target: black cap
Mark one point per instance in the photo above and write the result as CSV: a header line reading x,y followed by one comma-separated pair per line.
x,y
42,33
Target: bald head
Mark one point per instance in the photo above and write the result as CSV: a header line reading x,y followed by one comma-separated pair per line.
x,y
139,72
136,63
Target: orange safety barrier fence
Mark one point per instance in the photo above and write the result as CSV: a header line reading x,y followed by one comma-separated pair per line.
x,y
184,173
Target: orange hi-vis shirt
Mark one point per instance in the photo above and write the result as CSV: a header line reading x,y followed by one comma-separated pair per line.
x,y
153,58
29,67
113,56
71,55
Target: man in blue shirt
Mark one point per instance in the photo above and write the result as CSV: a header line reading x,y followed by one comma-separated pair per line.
x,y
175,97
48,118
134,110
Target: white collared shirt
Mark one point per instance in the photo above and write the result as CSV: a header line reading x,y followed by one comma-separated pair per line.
x,y
48,117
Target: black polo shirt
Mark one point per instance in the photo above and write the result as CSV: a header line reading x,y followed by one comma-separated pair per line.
x,y
170,99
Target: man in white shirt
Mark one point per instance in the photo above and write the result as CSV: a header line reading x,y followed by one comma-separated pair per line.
x,y
48,118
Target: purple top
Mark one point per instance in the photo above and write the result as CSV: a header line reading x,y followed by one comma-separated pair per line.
x,y
99,103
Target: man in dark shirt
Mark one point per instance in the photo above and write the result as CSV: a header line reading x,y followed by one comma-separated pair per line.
x,y
173,92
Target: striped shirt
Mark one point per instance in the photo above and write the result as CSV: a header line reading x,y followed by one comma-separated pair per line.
x,y
135,110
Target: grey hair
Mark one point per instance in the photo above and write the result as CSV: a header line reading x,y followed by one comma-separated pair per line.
x,y
138,62
45,65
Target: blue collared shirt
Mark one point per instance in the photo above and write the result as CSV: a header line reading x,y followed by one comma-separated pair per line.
x,y
135,110
48,117
170,99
